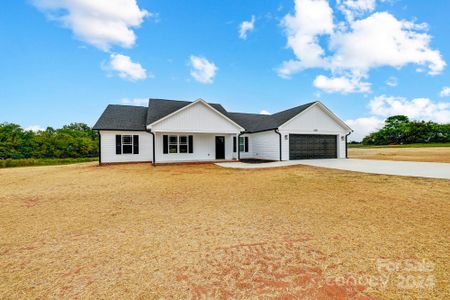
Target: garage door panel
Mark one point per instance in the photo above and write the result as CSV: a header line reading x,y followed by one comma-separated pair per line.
x,y
310,146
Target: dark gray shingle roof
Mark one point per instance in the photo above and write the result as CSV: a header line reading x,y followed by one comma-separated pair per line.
x,y
122,117
125,117
258,122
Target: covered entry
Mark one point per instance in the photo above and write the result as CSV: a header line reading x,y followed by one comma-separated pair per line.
x,y
310,146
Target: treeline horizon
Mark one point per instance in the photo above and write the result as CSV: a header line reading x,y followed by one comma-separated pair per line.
x,y
75,140
399,129
78,140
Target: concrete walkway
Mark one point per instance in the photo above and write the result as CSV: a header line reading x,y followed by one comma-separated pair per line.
x,y
386,167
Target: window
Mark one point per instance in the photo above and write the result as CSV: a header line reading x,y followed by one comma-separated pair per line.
x,y
127,144
243,144
183,144
173,144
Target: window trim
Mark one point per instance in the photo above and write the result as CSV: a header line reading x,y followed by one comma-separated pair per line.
x,y
178,144
169,143
127,144
243,142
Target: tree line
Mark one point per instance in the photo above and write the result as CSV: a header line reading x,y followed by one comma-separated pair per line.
x,y
75,140
78,140
400,130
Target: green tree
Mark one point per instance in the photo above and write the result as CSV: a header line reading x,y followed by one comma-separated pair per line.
x,y
400,130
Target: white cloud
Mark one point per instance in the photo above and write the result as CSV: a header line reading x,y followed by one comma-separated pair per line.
x,y
383,106
135,101
264,112
312,18
126,68
202,70
101,23
363,126
355,8
382,40
355,46
392,81
35,128
342,84
445,91
245,27
418,108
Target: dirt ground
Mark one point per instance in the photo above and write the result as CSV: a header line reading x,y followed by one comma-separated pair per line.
x,y
432,154
201,231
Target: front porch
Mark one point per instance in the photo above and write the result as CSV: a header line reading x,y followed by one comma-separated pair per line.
x,y
190,147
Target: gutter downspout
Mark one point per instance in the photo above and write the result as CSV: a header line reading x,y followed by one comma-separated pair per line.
x,y
99,148
153,142
239,144
279,134
346,144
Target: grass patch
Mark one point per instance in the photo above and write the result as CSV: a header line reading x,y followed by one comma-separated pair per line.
x,y
204,232
423,145
28,162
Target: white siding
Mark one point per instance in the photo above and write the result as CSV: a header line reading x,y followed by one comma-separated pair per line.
x,y
196,118
313,121
204,148
108,147
266,145
248,154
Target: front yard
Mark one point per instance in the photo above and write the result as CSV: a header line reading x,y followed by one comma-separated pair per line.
x,y
202,231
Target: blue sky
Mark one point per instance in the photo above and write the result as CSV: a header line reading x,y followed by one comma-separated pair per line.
x,y
64,61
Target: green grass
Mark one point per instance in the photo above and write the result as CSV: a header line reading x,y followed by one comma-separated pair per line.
x,y
424,145
27,162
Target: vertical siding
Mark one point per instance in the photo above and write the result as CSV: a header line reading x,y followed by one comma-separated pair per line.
x,y
108,147
196,118
204,148
313,121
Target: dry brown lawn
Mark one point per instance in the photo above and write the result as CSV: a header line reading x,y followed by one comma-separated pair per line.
x,y
201,231
431,154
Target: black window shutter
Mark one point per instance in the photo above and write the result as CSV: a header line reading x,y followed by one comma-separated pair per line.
x,y
191,144
234,144
135,144
165,144
246,144
118,144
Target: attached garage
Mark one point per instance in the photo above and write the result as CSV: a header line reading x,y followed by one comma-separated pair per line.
x,y
311,146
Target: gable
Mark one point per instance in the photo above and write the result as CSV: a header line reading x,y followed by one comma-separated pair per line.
x,y
197,117
314,119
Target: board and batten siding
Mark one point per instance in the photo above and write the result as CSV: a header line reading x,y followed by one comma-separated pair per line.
x,y
108,147
204,148
196,118
313,121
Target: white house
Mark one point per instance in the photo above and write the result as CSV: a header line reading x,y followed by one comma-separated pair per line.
x,y
169,131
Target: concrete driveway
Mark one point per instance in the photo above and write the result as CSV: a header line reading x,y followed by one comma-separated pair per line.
x,y
386,167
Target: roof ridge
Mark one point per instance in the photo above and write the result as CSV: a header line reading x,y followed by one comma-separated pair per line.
x,y
305,104
128,105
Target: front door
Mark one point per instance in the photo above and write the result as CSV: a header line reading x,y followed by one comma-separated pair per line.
x,y
220,147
